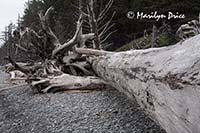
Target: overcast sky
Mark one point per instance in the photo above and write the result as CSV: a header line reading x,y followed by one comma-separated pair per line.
x,y
9,10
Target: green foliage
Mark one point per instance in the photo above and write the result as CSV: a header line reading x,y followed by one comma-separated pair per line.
x,y
164,40
143,42
63,19
30,18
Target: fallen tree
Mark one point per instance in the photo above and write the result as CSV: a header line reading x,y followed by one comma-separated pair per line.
x,y
165,81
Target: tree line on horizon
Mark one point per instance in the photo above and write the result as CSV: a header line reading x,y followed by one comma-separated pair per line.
x,y
64,16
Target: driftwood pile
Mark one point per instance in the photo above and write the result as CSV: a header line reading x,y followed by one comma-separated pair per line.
x,y
60,66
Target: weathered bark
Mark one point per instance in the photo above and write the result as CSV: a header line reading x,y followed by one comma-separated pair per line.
x,y
165,81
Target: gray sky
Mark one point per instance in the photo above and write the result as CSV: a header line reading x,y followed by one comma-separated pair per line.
x,y
9,10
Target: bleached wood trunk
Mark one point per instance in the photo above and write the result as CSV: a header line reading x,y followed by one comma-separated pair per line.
x,y
165,81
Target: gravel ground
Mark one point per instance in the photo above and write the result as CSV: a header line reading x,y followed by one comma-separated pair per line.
x,y
104,111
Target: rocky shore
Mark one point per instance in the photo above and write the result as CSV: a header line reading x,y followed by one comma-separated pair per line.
x,y
70,112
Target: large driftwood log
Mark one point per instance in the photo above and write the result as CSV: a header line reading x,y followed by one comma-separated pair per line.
x,y
165,81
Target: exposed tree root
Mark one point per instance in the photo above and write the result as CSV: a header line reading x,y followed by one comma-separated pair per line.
x,y
61,65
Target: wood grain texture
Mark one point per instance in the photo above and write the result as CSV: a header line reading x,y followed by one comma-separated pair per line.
x,y
165,82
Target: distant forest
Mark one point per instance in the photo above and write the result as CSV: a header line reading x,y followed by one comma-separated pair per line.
x,y
65,15
127,29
